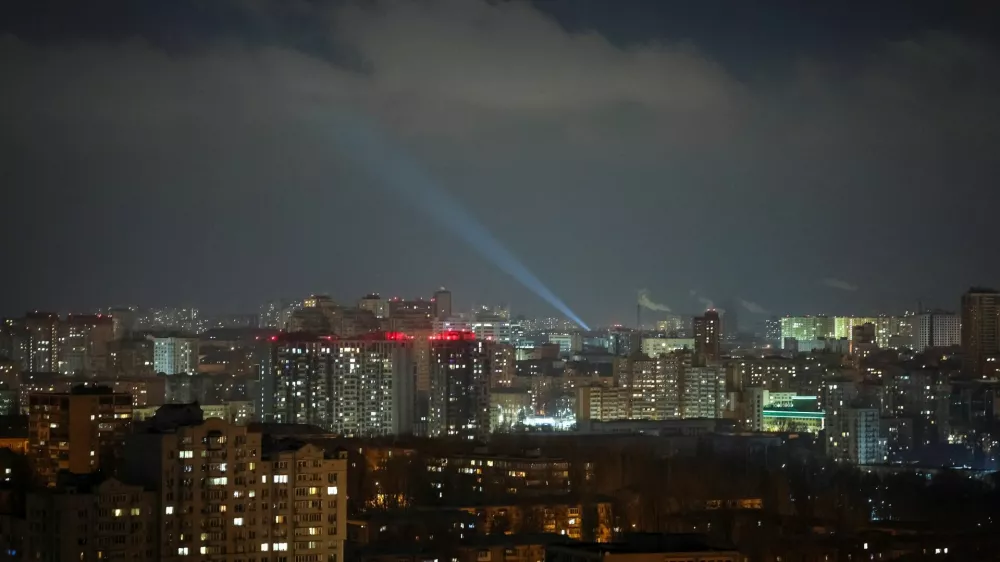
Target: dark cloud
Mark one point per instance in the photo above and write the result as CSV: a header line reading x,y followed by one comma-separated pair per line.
x,y
183,154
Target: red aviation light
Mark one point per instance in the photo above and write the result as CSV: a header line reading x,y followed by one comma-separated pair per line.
x,y
455,335
396,336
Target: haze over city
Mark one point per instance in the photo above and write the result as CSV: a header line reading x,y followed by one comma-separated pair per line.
x,y
836,158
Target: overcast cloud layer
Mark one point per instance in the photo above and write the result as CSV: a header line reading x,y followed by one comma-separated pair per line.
x,y
171,163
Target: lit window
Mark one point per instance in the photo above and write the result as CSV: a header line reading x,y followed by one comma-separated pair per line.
x,y
331,491
169,510
135,511
263,547
280,478
118,513
186,454
238,521
182,551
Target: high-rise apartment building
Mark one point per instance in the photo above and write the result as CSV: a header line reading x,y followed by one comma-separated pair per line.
x,y
707,332
43,341
503,365
360,387
442,303
772,330
459,401
174,355
653,384
83,343
79,431
703,392
843,326
91,517
772,373
865,444
227,493
15,343
980,329
805,328
853,425
937,328
602,403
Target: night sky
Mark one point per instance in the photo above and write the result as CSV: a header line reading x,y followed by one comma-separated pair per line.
x,y
810,157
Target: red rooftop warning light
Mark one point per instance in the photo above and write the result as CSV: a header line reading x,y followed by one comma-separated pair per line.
x,y
455,335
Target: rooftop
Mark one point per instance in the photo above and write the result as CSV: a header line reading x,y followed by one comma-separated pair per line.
x,y
650,543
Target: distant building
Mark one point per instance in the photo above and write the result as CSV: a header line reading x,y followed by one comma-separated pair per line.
x,y
373,303
174,355
459,401
43,343
362,387
707,333
801,328
274,314
865,442
980,329
84,342
772,330
442,303
131,357
567,342
937,328
91,517
654,347
81,431
123,321
246,496
704,392
653,384
601,403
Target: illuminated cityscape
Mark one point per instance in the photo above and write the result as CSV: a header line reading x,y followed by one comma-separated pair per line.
x,y
499,281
